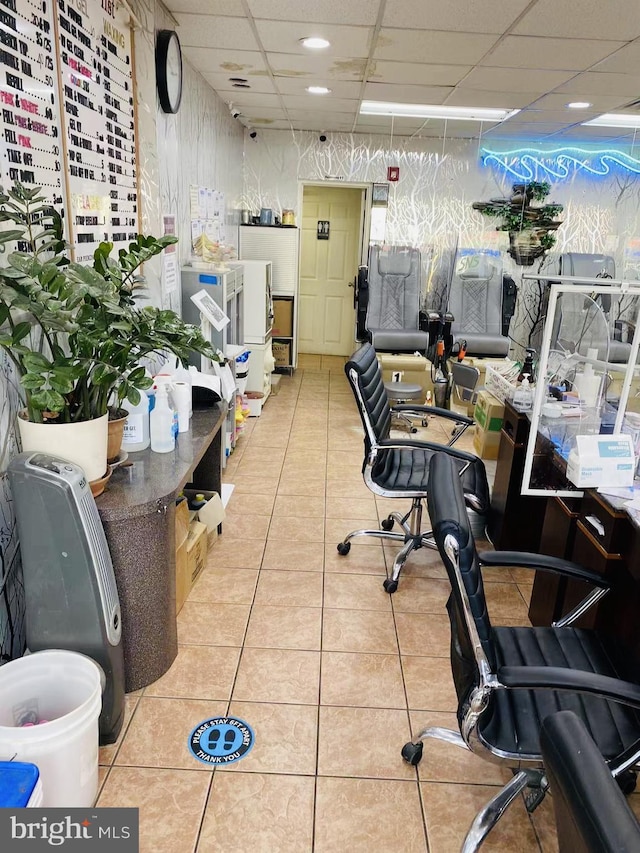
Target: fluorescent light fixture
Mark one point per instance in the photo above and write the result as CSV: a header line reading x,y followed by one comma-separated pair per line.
x,y
614,120
578,105
318,90
314,43
381,108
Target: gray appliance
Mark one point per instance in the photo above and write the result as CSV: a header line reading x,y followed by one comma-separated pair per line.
x,y
70,589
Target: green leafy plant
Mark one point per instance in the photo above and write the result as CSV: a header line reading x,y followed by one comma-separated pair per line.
x,y
73,332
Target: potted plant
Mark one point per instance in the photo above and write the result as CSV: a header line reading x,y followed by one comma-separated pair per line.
x,y
73,332
529,226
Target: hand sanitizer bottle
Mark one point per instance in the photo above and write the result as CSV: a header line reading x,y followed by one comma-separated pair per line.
x,y
161,423
523,397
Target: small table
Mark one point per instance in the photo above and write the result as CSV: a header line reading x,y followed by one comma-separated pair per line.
x,y
138,514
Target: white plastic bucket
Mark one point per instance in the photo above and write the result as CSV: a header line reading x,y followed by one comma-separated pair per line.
x,y
65,689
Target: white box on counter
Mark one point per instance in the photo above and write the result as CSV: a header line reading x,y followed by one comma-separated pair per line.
x,y
601,460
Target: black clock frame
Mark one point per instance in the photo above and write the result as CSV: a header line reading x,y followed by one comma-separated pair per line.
x,y
162,49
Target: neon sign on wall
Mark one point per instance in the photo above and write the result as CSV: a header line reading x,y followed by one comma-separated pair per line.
x,y
531,164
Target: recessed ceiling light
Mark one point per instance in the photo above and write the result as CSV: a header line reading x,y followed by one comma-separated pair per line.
x,y
578,105
614,120
381,108
318,90
314,43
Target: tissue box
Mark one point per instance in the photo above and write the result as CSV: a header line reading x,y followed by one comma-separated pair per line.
x,y
601,460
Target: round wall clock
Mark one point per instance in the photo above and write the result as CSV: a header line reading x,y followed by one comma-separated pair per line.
x,y
169,70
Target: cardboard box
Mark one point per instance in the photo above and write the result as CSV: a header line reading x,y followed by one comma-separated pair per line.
x,y
182,576
489,412
486,443
211,514
282,353
182,522
282,318
601,460
196,551
412,368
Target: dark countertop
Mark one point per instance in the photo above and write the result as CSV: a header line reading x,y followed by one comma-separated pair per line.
x,y
135,489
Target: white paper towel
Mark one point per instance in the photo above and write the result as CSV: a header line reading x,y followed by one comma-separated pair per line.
x,y
181,400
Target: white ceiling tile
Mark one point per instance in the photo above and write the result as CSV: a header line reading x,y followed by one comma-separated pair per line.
x,y
232,8
525,127
558,100
257,114
220,82
406,94
625,61
339,88
549,53
359,12
284,37
324,103
501,100
417,73
514,79
308,65
215,31
245,98
596,83
562,117
233,63
432,47
479,16
587,19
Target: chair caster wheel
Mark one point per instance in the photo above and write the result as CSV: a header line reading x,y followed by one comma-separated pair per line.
x,y
386,523
425,423
390,585
413,430
627,782
412,753
344,548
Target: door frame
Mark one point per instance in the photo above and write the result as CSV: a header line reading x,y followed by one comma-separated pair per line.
x,y
365,220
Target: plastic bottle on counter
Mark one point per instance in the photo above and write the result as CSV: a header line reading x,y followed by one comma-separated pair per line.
x,y
136,429
523,397
161,423
197,502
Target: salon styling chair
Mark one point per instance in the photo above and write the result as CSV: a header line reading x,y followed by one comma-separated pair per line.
x,y
508,679
395,468
592,815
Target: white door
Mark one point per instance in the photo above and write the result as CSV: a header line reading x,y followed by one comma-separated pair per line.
x,y
329,257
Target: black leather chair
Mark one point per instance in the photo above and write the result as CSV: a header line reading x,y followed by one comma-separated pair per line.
x,y
397,468
592,815
509,679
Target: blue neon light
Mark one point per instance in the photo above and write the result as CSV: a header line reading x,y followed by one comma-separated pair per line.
x,y
530,164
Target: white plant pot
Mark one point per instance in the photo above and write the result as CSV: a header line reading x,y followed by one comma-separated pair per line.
x,y
84,443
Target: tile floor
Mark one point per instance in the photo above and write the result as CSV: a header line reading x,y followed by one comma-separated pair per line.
x,y
330,671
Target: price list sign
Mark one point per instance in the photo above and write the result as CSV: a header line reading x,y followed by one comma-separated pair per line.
x,y
96,70
30,144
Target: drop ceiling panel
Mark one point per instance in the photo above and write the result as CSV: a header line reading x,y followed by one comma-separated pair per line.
x,y
417,73
284,37
432,47
359,12
233,63
339,89
596,83
326,105
246,98
515,79
625,61
406,94
481,16
501,100
256,113
215,31
549,53
233,8
532,128
221,84
614,19
558,100
315,65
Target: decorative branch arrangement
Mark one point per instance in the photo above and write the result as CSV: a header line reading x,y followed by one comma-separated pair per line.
x,y
529,226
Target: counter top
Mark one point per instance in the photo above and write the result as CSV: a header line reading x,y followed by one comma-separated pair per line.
x,y
152,477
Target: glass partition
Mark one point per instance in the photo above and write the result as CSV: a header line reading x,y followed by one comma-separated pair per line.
x,y
588,380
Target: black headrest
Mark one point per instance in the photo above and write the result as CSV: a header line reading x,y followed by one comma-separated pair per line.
x,y
447,509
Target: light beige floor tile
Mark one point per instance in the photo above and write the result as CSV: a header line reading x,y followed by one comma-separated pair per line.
x,y
308,361
290,505
290,589
304,557
364,742
159,732
359,631
346,487
276,675
298,529
355,592
425,563
227,553
242,527
337,528
504,602
421,595
450,809
107,753
348,816
357,561
171,804
254,484
420,634
544,822
301,486
103,773
225,586
285,738
212,624
363,680
429,683
352,508
525,591
198,672
241,504
284,628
